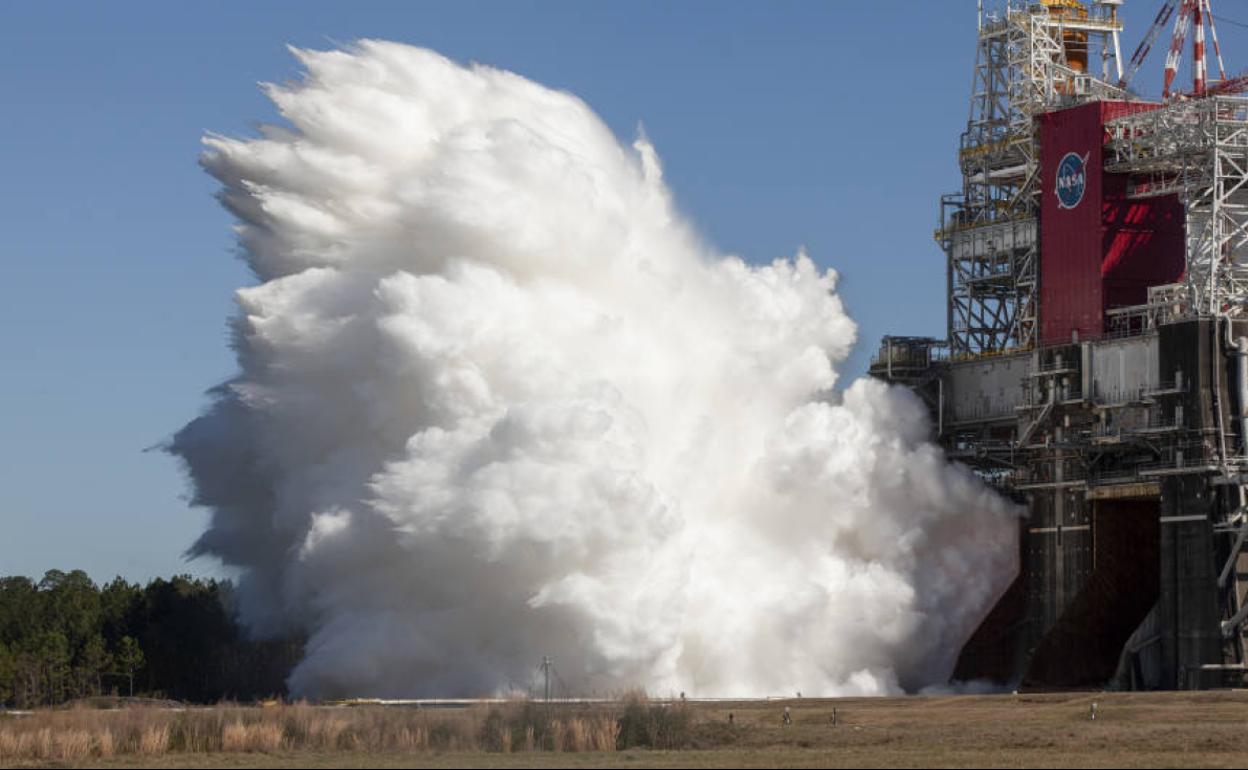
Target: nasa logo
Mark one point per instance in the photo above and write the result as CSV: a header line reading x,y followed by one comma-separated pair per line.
x,y
1072,178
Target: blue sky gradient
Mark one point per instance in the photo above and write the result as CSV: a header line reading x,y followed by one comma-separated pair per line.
x,y
826,125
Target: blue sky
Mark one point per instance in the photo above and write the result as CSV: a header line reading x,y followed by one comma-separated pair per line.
x,y
829,125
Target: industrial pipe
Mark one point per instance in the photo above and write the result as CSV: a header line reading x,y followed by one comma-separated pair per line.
x,y
1241,376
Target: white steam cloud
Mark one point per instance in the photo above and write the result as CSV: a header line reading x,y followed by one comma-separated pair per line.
x,y
497,401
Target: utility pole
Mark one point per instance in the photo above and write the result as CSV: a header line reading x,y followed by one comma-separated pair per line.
x,y
547,664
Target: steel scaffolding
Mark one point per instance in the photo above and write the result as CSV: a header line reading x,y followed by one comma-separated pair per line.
x,y
1134,439
1029,59
1198,150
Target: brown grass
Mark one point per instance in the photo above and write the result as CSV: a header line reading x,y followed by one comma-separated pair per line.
x,y
78,734
72,745
1053,730
265,737
153,739
105,746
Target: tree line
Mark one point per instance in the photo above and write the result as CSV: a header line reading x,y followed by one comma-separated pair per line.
x,y
64,638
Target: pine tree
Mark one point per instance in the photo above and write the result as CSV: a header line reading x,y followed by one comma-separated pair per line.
x,y
95,661
8,669
129,659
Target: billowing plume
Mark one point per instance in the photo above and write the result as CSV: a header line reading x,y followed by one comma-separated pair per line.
x,y
497,401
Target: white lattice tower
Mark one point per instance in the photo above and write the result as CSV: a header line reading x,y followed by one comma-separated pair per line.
x,y
1196,149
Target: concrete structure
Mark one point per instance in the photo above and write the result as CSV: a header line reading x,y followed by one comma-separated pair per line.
x,y
1095,366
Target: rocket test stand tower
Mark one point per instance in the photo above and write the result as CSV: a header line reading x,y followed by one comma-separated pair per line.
x,y
1095,363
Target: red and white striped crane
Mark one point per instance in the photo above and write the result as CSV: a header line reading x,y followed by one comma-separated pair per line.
x,y
1192,15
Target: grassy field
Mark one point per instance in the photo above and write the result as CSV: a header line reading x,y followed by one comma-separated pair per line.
x,y
1044,730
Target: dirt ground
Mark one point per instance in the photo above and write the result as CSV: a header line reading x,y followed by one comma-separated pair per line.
x,y
1208,729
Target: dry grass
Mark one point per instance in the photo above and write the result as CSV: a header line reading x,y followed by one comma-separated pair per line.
x,y
105,745
75,735
153,739
72,745
1131,730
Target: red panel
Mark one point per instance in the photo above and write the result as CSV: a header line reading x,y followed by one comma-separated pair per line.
x,y
1070,238
1105,251
1143,246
